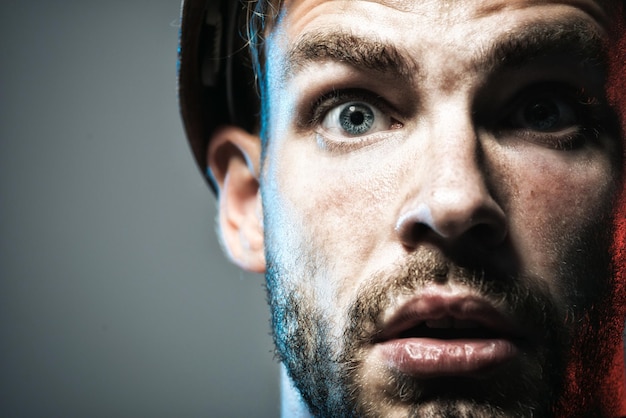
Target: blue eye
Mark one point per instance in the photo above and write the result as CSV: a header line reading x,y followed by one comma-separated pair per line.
x,y
554,115
355,119
546,114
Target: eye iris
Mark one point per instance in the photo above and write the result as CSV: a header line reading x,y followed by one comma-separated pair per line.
x,y
542,115
356,119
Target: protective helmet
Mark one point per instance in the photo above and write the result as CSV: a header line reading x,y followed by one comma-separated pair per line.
x,y
215,79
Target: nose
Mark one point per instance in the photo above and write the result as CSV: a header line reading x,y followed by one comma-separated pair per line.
x,y
451,197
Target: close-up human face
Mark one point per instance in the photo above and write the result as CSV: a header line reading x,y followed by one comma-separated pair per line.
x,y
437,187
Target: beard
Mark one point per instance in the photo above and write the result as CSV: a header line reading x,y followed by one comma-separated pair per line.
x,y
327,364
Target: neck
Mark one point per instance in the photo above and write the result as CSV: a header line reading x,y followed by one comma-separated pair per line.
x,y
292,405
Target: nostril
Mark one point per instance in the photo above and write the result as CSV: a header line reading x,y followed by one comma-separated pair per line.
x,y
414,233
484,226
487,235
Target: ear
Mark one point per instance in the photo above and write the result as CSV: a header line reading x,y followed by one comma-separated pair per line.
x,y
234,158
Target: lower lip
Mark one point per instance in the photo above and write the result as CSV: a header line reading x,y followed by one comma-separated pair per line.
x,y
429,358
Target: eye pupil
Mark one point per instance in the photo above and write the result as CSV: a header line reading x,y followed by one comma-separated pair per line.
x,y
356,119
542,115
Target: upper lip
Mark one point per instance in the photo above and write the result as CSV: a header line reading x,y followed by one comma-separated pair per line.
x,y
453,311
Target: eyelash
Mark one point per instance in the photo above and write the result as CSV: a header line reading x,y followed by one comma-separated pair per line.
x,y
591,117
334,98
589,113
561,142
319,109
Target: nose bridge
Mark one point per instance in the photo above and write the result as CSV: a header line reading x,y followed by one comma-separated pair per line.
x,y
455,180
450,195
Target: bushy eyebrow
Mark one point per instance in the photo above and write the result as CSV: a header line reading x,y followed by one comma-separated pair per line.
x,y
574,37
343,47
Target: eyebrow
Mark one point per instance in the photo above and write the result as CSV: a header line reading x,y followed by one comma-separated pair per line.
x,y
344,47
574,37
514,49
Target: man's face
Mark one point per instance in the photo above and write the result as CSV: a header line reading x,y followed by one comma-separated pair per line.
x,y
437,189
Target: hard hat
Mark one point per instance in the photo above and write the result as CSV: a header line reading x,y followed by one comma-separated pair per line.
x,y
215,79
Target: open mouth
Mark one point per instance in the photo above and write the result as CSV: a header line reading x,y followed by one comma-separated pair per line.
x,y
448,317
449,328
437,335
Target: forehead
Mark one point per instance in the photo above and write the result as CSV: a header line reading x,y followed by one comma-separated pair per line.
x,y
440,31
480,7
397,16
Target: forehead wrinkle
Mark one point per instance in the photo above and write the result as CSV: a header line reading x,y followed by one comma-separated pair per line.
x,y
598,9
576,37
344,47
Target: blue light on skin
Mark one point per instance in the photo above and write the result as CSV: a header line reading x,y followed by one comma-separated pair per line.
x,y
421,214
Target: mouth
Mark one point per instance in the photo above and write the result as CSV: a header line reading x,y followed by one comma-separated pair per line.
x,y
436,335
450,328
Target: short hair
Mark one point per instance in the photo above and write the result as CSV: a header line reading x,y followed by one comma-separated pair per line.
x,y
260,17
260,14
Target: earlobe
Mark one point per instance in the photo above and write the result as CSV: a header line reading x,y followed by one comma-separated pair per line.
x,y
234,163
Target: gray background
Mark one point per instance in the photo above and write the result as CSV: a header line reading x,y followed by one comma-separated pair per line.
x,y
115,300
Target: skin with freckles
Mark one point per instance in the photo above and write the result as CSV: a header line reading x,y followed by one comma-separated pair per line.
x,y
426,165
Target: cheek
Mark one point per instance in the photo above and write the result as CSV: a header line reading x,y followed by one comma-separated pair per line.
x,y
551,203
333,211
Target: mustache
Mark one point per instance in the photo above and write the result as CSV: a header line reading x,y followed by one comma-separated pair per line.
x,y
521,297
